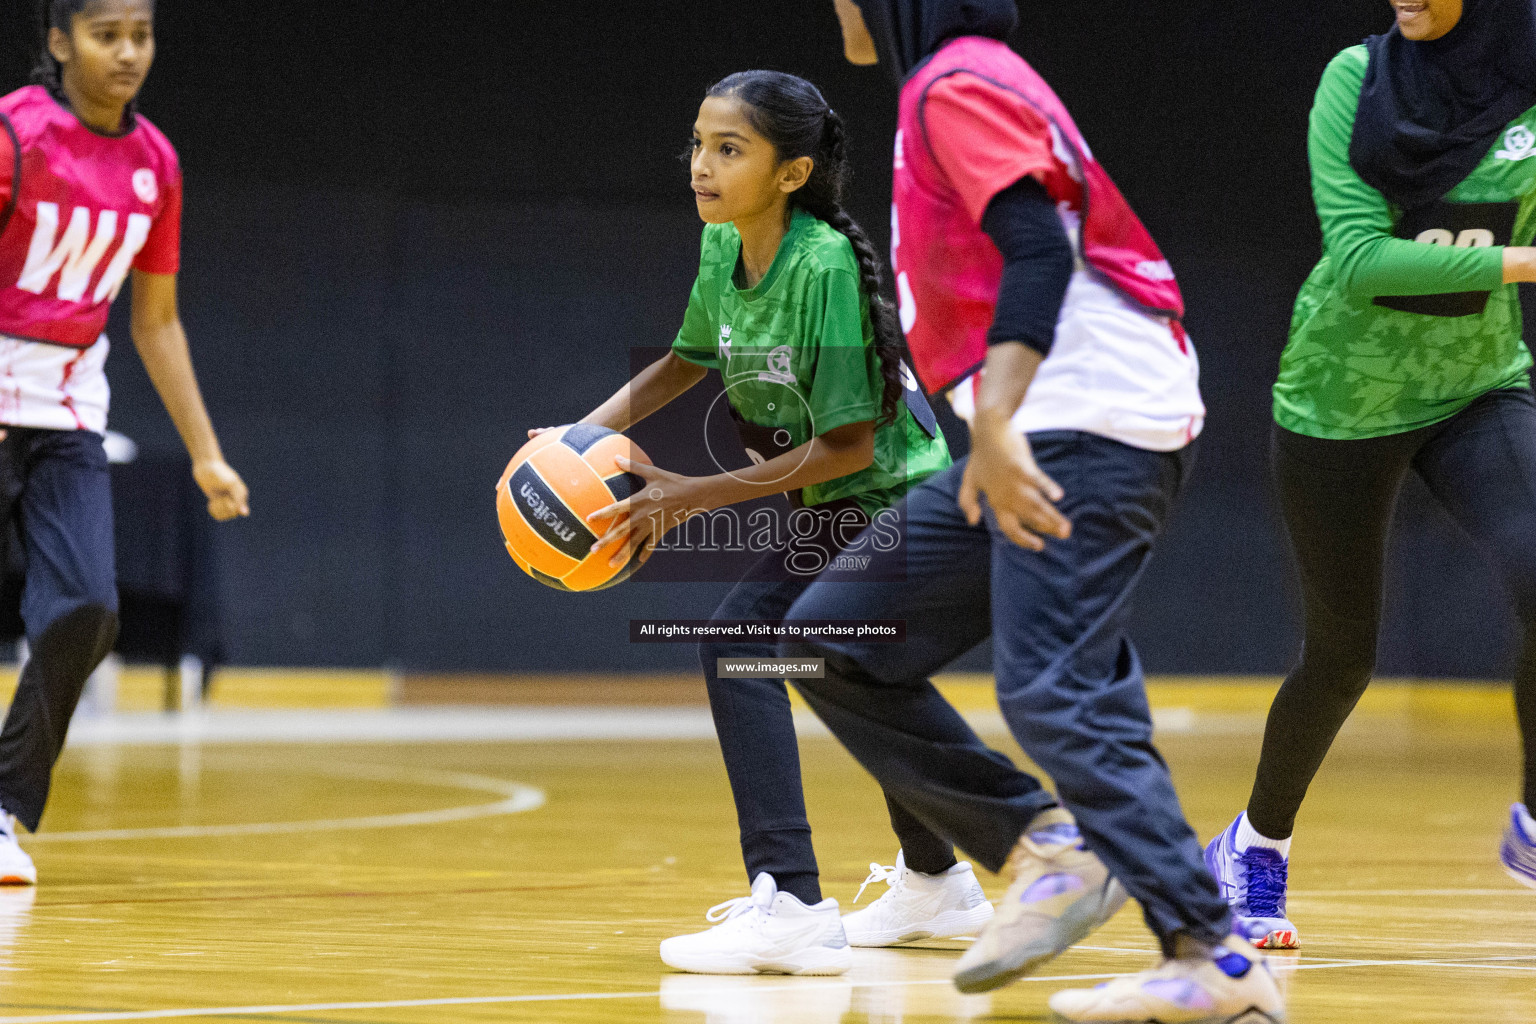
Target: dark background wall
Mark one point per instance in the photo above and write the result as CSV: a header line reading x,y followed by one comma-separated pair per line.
x,y
415,229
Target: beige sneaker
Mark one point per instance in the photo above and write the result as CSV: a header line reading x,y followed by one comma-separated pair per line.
x,y
1060,893
1234,987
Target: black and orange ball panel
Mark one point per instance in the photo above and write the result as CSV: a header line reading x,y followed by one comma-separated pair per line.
x,y
550,487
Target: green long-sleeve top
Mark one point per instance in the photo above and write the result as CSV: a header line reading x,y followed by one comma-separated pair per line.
x,y
1354,368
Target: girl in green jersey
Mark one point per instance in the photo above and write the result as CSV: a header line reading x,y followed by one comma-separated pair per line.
x,y
1405,353
787,307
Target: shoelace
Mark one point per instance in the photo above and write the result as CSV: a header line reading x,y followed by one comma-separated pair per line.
x,y
727,910
1265,872
879,873
733,908
1044,844
1058,834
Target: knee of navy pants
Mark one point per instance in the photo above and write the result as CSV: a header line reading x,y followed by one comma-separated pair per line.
x,y
877,699
1069,682
55,488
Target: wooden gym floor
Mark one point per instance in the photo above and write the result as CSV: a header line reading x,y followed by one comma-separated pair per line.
x,y
404,882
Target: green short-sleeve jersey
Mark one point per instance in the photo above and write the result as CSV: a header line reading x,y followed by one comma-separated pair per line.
x,y
1354,368
796,352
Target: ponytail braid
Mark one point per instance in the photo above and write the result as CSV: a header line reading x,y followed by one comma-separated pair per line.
x,y
791,113
822,198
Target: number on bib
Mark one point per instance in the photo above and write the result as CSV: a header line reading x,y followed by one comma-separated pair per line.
x,y
1470,238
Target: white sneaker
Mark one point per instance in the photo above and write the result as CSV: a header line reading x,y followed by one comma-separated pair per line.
x,y
918,906
16,868
1232,987
769,932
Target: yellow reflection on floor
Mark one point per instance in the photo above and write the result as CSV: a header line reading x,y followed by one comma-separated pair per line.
x,y
429,883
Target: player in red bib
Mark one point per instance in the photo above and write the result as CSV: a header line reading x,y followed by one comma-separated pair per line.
x,y
90,194
1032,294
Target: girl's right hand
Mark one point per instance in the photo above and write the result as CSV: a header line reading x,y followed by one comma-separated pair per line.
x,y
1022,497
534,432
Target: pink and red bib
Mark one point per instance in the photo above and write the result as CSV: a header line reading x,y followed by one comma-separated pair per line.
x,y
974,119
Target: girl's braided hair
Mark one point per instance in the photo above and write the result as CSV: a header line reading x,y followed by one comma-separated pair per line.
x,y
791,114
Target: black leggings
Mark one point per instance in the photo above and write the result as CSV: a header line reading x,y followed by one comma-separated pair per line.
x,y
1338,498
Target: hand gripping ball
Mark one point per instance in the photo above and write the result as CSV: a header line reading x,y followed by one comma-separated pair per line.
x,y
550,487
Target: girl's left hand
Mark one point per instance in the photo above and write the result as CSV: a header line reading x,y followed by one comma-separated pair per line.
x,y
227,495
666,500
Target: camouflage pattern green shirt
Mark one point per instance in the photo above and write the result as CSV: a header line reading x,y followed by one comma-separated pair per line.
x,y
796,352
1405,321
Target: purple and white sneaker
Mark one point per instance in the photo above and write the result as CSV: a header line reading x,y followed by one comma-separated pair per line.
x,y
1253,883
1231,986
1060,893
1518,854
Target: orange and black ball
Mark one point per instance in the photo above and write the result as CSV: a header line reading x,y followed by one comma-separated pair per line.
x,y
550,487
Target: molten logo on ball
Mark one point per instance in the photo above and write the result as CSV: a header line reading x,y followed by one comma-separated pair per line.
x,y
550,487
544,513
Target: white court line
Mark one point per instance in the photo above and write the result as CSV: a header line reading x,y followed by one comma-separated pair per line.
x,y
1479,965
1487,963
468,725
402,1004
1468,961
735,990
419,725
518,798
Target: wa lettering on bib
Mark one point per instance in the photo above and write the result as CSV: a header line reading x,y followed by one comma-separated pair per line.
x,y
86,210
76,256
78,212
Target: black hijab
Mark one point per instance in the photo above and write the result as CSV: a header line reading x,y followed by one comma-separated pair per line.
x,y
1430,111
906,32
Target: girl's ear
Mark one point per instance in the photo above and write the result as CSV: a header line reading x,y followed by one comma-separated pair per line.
x,y
60,45
793,174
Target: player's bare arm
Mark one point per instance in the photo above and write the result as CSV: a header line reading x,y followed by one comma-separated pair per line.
x,y
652,389
162,345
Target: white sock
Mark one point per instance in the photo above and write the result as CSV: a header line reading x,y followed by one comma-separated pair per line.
x,y
1247,836
1527,819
